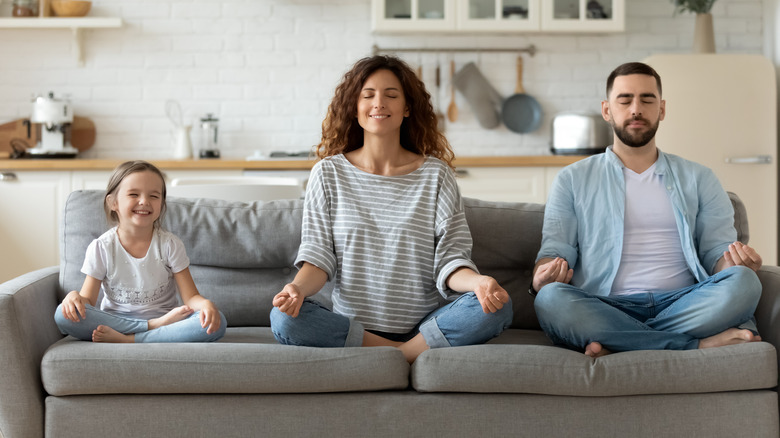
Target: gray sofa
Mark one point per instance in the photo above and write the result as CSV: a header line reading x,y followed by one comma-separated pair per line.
x,y
248,385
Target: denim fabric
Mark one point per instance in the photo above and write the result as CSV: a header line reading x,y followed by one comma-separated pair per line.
x,y
674,320
583,218
186,330
461,322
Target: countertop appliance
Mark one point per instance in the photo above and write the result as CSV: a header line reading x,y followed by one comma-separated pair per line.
x,y
209,126
579,133
55,117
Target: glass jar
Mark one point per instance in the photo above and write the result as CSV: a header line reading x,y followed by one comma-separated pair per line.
x,y
25,8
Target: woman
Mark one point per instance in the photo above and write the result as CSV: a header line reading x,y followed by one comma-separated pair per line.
x,y
384,220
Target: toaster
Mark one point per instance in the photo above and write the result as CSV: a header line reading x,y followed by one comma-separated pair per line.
x,y
579,133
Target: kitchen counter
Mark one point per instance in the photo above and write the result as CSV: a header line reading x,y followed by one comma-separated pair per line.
x,y
271,164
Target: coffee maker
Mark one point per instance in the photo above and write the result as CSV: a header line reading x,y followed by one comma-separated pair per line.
x,y
55,117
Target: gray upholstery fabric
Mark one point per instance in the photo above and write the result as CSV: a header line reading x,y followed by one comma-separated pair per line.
x,y
222,367
539,369
407,414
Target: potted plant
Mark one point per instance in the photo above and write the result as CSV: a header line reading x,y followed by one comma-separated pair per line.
x,y
704,34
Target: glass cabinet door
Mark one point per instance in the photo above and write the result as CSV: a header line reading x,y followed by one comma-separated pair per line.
x,y
498,15
583,15
413,15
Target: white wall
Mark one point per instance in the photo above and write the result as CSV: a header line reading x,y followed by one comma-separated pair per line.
x,y
267,68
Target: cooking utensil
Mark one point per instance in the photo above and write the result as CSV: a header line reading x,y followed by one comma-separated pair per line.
x,y
437,93
521,112
484,100
173,111
452,110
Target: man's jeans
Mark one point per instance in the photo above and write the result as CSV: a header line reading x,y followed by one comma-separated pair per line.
x,y
461,322
673,320
186,330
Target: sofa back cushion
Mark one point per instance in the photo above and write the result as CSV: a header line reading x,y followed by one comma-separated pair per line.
x,y
242,254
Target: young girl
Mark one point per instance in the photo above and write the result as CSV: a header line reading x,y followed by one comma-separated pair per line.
x,y
384,220
139,268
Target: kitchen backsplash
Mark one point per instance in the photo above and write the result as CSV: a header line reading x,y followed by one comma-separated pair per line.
x,y
267,69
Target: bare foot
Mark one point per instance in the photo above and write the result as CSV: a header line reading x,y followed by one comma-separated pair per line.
x,y
175,315
594,350
104,333
414,347
729,337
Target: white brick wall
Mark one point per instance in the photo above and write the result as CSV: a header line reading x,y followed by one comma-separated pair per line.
x,y
267,68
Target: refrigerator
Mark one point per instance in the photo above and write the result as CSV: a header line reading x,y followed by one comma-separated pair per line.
x,y
721,111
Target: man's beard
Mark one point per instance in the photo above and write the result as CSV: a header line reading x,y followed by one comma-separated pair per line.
x,y
635,140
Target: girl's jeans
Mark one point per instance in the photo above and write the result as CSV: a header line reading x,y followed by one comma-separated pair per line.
x,y
186,330
461,322
674,320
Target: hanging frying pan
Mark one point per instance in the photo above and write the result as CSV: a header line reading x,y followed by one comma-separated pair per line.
x,y
520,112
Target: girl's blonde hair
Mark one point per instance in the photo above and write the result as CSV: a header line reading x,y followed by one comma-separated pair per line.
x,y
120,173
341,132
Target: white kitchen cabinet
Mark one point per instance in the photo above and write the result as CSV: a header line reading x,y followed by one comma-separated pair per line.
x,y
583,15
405,16
498,15
413,15
31,203
506,184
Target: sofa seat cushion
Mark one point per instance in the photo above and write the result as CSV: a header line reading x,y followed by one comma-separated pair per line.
x,y
535,368
246,360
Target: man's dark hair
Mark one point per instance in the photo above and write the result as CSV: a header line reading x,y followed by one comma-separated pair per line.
x,y
633,68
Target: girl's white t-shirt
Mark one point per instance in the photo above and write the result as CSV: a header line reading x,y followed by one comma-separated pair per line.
x,y
141,288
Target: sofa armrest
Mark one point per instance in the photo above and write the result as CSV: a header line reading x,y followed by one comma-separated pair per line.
x,y
27,329
768,310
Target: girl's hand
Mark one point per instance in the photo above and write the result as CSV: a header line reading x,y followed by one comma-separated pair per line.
x,y
209,317
74,305
490,294
289,300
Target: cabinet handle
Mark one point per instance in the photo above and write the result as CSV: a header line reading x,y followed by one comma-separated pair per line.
x,y
7,176
758,159
461,172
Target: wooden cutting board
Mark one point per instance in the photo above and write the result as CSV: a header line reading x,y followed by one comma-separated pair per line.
x,y
82,134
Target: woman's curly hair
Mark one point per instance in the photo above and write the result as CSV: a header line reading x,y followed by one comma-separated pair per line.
x,y
341,132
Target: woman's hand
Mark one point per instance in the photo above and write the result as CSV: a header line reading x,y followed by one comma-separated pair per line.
x,y
289,300
209,316
555,270
74,305
490,294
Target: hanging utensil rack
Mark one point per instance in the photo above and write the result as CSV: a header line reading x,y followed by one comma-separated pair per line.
x,y
376,50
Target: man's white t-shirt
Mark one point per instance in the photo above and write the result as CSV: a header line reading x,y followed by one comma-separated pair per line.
x,y
141,288
652,258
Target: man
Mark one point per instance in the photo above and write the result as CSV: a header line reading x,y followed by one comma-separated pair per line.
x,y
638,248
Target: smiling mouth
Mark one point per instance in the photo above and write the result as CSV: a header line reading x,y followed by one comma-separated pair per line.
x,y
142,212
379,116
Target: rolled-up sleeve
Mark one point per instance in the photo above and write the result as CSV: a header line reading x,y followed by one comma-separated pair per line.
x,y
559,232
317,245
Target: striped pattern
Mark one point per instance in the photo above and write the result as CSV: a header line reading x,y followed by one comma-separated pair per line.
x,y
390,242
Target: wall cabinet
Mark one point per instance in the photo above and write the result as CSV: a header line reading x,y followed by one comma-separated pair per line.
x,y
498,15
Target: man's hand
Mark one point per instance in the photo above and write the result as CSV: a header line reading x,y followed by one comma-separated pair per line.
x,y
556,270
740,254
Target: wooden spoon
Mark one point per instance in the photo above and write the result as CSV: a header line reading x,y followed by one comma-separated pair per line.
x,y
452,109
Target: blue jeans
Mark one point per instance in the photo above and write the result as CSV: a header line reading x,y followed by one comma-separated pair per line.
x,y
186,330
461,322
673,320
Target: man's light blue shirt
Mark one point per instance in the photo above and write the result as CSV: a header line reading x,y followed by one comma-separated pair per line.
x,y
583,218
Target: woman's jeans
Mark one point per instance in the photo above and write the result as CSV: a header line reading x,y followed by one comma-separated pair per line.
x,y
461,322
673,320
186,330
